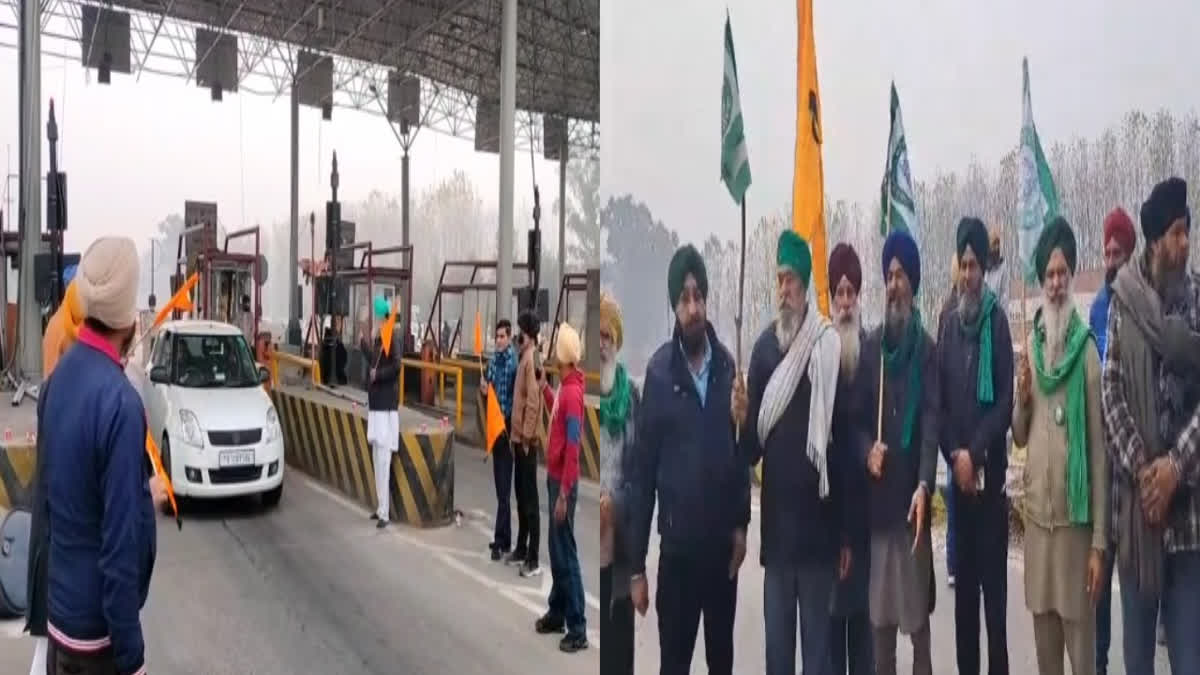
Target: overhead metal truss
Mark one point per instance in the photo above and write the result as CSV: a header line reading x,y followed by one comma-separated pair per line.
x,y
453,46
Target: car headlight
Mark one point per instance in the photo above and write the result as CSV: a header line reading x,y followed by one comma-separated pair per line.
x,y
273,430
190,426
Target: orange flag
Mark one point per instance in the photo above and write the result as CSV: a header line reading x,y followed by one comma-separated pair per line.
x,y
180,301
385,332
156,460
478,334
808,179
493,421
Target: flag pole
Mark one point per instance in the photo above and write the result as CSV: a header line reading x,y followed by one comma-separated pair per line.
x,y
737,320
887,224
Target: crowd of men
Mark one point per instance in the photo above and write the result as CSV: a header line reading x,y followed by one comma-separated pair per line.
x,y
1108,417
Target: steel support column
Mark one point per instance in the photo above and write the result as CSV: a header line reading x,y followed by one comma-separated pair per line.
x,y
293,326
562,215
508,131
406,295
29,335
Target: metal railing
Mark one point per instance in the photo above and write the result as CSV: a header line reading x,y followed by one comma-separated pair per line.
x,y
442,371
311,365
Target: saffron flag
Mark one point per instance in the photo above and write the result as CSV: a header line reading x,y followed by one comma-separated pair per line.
x,y
478,336
808,180
385,332
494,420
181,301
156,462
1038,200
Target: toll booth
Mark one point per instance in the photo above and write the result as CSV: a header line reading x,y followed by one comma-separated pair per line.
x,y
579,303
449,342
385,271
229,288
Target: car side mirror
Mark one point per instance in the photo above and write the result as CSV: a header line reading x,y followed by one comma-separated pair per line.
x,y
263,375
160,375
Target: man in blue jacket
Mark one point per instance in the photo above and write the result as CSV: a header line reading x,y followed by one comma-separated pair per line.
x,y
686,457
96,482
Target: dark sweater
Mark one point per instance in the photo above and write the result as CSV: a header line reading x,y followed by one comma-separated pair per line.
x,y
890,496
964,421
685,456
384,392
100,515
797,525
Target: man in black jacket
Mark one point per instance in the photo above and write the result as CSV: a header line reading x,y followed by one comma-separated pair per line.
x,y
975,372
383,412
685,455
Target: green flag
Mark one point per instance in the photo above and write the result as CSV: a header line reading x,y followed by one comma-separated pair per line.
x,y
1038,201
735,163
897,203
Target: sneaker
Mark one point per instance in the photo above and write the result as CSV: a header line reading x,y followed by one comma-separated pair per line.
x,y
950,581
381,524
528,571
498,554
515,558
549,623
573,643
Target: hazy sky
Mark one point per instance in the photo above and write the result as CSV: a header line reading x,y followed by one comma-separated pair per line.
x,y
135,151
957,66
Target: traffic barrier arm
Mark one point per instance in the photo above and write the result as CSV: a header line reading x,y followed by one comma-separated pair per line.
x,y
311,365
442,370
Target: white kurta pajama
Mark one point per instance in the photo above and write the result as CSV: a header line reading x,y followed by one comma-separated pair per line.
x,y
383,434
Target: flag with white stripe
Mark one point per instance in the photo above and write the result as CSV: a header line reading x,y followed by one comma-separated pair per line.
x,y
898,203
735,162
1038,201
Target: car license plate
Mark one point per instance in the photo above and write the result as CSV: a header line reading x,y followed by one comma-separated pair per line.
x,y
231,458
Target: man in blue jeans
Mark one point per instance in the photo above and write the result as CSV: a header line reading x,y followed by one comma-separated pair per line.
x,y
499,379
1119,241
1151,395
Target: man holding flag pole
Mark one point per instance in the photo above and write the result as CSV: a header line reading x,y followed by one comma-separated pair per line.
x,y
383,415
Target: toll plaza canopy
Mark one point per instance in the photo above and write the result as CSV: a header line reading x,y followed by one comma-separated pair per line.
x,y
452,46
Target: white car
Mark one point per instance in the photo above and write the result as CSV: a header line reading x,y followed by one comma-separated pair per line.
x,y
216,426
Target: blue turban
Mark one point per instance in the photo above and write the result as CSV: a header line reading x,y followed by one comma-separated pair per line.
x,y
900,245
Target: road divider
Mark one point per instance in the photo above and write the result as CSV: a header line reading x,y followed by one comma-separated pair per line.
x,y
325,436
17,463
589,445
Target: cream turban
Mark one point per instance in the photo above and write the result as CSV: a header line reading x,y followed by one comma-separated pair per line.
x,y
108,281
610,316
567,348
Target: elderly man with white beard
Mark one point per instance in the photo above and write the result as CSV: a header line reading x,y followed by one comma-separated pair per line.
x,y
901,463
616,415
1065,478
789,401
850,637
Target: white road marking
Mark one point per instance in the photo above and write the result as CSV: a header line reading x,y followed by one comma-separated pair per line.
x,y
513,592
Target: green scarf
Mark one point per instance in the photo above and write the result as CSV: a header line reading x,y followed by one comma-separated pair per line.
x,y
1069,370
894,359
614,407
981,328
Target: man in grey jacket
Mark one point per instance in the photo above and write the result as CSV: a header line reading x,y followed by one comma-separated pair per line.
x,y
616,415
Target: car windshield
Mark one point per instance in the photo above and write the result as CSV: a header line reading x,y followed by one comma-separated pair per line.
x,y
203,361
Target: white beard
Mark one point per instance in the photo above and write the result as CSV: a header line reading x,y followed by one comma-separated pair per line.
x,y
608,373
787,324
1055,319
847,328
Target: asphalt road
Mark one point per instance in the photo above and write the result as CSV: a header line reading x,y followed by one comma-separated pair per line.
x,y
749,644
313,587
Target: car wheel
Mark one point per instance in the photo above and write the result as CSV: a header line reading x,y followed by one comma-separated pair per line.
x,y
165,453
270,498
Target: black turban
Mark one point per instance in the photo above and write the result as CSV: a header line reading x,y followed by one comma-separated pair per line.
x,y
528,324
1058,234
973,234
1166,204
686,261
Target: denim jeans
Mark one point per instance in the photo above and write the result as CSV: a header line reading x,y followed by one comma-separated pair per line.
x,y
502,471
566,589
1104,615
1180,606
805,589
951,557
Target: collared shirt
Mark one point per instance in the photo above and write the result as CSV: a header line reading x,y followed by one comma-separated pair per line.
x,y
1098,318
502,375
700,377
1127,448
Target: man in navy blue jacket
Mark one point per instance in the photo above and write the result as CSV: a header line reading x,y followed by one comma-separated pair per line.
x,y
96,482
686,456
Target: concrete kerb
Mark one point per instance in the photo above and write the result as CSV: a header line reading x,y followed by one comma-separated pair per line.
x,y
326,437
18,460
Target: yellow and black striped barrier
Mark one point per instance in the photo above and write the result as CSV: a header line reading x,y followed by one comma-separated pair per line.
x,y
589,447
17,464
326,437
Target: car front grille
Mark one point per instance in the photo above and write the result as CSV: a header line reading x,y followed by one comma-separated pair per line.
x,y
235,437
237,474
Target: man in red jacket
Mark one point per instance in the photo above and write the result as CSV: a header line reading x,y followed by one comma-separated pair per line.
x,y
566,612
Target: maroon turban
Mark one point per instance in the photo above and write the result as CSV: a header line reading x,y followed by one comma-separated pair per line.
x,y
843,262
1117,224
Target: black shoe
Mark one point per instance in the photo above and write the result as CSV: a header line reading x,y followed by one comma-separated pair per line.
x,y
374,516
573,643
550,624
517,557
381,524
497,554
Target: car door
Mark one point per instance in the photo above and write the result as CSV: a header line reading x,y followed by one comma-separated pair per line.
x,y
156,393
